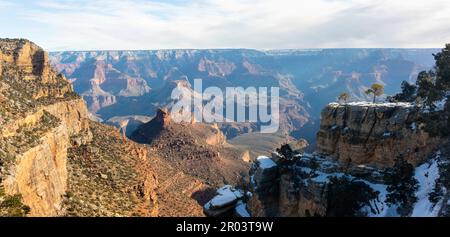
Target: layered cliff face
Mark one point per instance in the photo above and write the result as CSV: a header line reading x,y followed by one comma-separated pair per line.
x,y
54,161
299,187
41,118
357,147
99,82
374,134
97,76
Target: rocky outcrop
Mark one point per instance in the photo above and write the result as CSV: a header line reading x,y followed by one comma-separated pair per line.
x,y
41,119
357,146
198,149
374,134
286,188
264,179
297,187
54,161
228,201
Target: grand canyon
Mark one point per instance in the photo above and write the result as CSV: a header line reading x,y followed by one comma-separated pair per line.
x,y
90,133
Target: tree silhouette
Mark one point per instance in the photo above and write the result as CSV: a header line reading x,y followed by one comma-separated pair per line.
x,y
402,186
443,68
408,93
376,90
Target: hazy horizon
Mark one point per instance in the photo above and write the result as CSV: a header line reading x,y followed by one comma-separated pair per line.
x,y
251,49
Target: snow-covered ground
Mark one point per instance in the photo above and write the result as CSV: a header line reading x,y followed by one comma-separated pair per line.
x,y
426,174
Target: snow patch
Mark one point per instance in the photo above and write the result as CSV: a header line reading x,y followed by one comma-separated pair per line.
x,y
386,104
223,200
241,209
265,162
426,174
225,196
440,104
376,207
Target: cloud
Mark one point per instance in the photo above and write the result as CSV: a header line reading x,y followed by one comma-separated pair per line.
x,y
262,24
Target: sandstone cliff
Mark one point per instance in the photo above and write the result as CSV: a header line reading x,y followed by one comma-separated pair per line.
x,y
374,134
360,142
54,161
41,118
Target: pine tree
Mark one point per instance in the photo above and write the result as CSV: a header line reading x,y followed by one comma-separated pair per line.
x,y
427,90
408,93
346,197
286,151
442,183
443,68
376,90
402,186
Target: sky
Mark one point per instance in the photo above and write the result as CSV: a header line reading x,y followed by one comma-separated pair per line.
x,y
258,24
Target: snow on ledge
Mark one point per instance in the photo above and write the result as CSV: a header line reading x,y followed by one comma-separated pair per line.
x,y
225,196
265,162
371,104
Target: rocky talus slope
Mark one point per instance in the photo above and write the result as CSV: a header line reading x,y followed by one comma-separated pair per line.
x,y
113,176
54,161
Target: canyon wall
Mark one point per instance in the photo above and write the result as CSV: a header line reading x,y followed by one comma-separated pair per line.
x,y
54,161
374,134
40,119
357,140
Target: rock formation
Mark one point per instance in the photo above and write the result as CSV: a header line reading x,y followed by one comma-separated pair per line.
x,y
228,201
41,118
374,134
198,149
359,141
130,83
54,161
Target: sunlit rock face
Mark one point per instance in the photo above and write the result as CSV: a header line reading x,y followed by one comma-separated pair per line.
x,y
374,134
41,117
